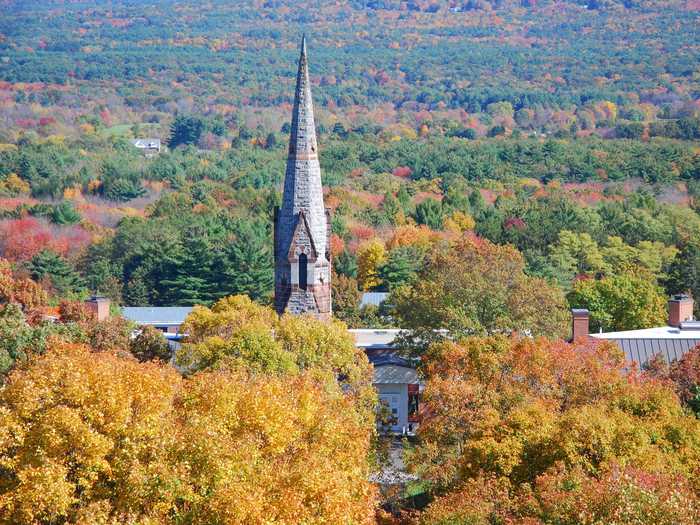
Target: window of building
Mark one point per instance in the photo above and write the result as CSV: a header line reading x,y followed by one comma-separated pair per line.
x,y
303,275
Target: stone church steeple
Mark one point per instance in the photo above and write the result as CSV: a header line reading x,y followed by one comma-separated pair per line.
x,y
302,224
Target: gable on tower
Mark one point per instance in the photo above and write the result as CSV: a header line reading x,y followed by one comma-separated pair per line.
x,y
302,241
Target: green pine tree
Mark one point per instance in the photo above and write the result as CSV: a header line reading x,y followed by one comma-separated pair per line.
x,y
64,213
188,274
247,265
401,267
429,212
64,279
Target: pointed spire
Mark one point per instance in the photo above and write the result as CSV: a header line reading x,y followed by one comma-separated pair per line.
x,y
302,142
302,181
301,225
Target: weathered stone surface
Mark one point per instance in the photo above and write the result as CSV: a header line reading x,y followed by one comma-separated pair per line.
x,y
302,224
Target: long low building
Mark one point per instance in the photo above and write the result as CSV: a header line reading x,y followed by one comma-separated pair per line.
x,y
671,342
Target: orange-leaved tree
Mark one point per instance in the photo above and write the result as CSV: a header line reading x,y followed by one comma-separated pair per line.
x,y
537,417
570,498
25,292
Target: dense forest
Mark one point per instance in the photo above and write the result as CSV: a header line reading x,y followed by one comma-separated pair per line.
x,y
568,130
488,163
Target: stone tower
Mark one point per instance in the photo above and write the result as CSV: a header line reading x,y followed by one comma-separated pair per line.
x,y
302,224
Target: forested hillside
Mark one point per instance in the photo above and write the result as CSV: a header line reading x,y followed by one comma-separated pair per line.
x,y
489,163
567,129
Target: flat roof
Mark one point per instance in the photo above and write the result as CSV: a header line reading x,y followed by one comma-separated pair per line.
x,y
157,315
374,337
659,332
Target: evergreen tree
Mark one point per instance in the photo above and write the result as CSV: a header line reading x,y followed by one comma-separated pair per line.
x,y
189,271
217,127
429,212
684,274
404,198
122,189
136,291
248,263
185,130
64,213
401,267
391,208
49,265
346,264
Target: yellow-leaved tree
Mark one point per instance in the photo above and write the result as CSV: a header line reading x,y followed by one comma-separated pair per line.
x,y
86,437
273,449
370,256
273,423
237,333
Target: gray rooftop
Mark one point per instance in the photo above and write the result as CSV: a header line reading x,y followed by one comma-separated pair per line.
x,y
642,345
393,374
157,315
373,298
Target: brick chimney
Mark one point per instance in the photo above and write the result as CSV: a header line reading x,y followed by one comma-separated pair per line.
x,y
579,323
99,306
680,308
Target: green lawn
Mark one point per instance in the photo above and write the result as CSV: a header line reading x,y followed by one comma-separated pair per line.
x,y
121,130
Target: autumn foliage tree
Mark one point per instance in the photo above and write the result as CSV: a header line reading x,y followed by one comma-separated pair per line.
x,y
75,454
571,498
97,437
272,449
370,256
557,432
238,333
475,287
23,291
684,375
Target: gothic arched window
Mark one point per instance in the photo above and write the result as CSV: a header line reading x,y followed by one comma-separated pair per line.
x,y
303,275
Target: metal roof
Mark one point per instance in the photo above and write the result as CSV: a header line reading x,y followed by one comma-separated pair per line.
x,y
642,345
392,374
373,298
157,315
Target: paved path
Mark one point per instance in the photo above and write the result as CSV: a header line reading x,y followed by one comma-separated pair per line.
x,y
394,473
